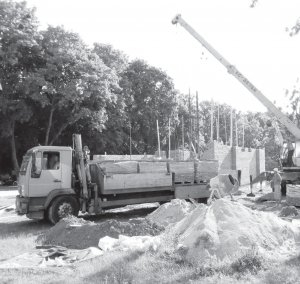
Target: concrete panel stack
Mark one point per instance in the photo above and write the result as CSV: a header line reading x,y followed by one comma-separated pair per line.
x,y
121,157
126,167
184,171
205,170
153,167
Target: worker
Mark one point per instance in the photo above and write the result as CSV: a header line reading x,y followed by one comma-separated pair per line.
x,y
276,180
53,162
290,148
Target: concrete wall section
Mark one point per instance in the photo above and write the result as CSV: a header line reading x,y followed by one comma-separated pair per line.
x,y
233,159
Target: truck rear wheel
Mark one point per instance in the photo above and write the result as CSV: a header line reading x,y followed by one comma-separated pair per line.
x,y
62,207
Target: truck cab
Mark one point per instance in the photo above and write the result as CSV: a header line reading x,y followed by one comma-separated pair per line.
x,y
46,171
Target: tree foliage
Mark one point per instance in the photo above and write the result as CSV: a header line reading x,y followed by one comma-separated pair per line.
x,y
53,85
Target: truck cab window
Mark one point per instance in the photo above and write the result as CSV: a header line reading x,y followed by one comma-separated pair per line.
x,y
51,161
36,165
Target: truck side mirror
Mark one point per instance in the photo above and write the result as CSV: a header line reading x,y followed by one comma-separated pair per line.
x,y
36,168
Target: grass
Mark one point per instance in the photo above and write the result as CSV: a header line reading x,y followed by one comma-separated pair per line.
x,y
13,246
151,267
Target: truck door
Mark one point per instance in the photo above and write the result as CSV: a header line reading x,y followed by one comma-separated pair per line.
x,y
46,174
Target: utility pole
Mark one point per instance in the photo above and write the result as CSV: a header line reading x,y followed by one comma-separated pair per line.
x,y
236,131
218,123
158,139
182,131
231,128
243,133
169,139
211,123
190,123
225,123
198,125
130,147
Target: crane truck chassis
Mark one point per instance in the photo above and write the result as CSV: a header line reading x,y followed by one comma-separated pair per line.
x,y
55,181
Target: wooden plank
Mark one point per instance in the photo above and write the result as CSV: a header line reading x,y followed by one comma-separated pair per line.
x,y
141,180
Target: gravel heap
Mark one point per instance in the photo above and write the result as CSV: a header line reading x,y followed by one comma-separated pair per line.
x,y
77,233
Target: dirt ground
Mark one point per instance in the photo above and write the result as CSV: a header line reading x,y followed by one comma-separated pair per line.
x,y
18,235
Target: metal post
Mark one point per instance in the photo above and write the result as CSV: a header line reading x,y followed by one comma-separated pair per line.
x,y
225,122
236,131
198,125
130,142
190,124
158,138
231,128
182,132
243,133
212,124
169,139
218,123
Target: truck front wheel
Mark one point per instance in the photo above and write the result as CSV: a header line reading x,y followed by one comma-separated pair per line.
x,y
62,207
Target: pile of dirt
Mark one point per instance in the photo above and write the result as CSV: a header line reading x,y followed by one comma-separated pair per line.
x,y
288,211
227,229
76,233
171,212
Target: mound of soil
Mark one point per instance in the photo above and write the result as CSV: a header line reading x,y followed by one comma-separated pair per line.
x,y
77,233
226,229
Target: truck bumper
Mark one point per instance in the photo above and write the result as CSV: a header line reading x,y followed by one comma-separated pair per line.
x,y
22,204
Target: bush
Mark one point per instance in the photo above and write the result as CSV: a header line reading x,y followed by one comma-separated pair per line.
x,y
250,262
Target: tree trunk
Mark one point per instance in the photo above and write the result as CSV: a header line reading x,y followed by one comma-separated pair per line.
x,y
49,125
13,149
59,132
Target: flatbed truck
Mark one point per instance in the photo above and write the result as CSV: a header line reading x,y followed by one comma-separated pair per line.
x,y
56,181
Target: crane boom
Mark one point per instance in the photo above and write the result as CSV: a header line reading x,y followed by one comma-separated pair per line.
x,y
241,78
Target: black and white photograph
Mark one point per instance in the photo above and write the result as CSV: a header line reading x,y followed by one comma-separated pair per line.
x,y
150,141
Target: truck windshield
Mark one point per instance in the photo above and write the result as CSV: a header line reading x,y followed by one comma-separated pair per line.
x,y
25,162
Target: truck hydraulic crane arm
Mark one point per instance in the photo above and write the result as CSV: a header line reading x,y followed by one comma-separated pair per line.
x,y
241,78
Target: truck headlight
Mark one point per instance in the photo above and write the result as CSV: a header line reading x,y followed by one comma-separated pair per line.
x,y
21,189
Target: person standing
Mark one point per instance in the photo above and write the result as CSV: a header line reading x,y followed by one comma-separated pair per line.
x,y
291,149
277,186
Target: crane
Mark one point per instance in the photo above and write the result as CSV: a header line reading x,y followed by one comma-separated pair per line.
x,y
292,128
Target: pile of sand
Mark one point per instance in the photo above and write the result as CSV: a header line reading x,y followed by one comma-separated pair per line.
x,y
76,233
171,212
228,229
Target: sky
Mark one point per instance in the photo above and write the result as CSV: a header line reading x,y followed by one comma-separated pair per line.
x,y
255,40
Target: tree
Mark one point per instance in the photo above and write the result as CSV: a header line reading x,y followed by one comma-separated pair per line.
x,y
150,95
18,49
73,84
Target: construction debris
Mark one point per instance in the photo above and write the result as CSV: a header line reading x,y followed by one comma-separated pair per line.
x,y
125,243
50,257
